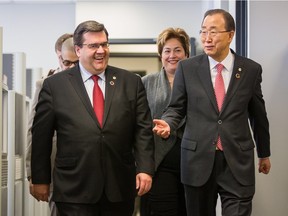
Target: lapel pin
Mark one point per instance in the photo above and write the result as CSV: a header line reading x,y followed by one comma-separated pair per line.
x,y
238,74
112,83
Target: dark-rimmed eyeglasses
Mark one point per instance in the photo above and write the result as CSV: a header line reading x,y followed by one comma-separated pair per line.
x,y
95,46
68,63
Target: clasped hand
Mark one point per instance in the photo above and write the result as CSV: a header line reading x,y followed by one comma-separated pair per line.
x,y
161,128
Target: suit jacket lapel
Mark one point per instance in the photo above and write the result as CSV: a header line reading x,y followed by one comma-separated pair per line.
x,y
111,83
205,77
77,83
238,72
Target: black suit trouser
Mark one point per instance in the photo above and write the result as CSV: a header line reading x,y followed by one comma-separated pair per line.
x,y
236,199
102,208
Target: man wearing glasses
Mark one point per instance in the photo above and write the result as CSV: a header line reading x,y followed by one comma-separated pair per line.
x,y
104,133
218,92
64,48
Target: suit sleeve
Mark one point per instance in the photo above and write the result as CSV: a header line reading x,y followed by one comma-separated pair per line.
x,y
42,134
144,144
258,119
176,110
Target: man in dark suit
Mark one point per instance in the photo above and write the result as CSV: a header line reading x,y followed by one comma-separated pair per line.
x,y
101,162
217,149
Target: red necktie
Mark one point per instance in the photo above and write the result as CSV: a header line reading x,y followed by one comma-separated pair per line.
x,y
220,94
98,100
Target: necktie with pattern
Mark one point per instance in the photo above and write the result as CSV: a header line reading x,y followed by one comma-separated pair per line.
x,y
98,100
220,94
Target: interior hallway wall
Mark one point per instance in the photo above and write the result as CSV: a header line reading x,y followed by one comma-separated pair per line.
x,y
143,19
268,45
34,28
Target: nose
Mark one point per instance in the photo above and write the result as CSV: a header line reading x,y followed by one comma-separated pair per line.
x,y
72,64
172,53
100,49
208,38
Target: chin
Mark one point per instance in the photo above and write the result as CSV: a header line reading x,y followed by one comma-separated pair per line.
x,y
209,52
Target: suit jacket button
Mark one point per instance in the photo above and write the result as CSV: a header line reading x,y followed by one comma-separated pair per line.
x,y
219,121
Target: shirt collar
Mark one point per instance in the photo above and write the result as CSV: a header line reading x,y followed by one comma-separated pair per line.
x,y
227,62
87,75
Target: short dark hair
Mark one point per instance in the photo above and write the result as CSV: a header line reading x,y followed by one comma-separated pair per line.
x,y
87,26
60,40
229,20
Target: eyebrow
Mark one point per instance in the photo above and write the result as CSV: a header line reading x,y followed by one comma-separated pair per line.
x,y
212,27
172,47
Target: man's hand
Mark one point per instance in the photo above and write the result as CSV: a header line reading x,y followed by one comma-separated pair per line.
x,y
161,128
143,183
40,191
31,188
264,165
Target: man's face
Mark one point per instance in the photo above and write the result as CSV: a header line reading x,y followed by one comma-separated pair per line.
x,y
94,53
69,59
59,56
215,38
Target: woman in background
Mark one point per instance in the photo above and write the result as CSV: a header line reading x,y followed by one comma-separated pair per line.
x,y
166,197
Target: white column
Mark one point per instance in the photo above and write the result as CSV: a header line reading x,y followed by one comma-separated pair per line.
x,y
19,65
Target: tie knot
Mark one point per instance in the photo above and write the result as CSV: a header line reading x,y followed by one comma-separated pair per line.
x,y
219,67
95,78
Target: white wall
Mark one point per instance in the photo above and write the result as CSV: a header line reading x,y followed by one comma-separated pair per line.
x,y
269,46
146,19
142,19
34,28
